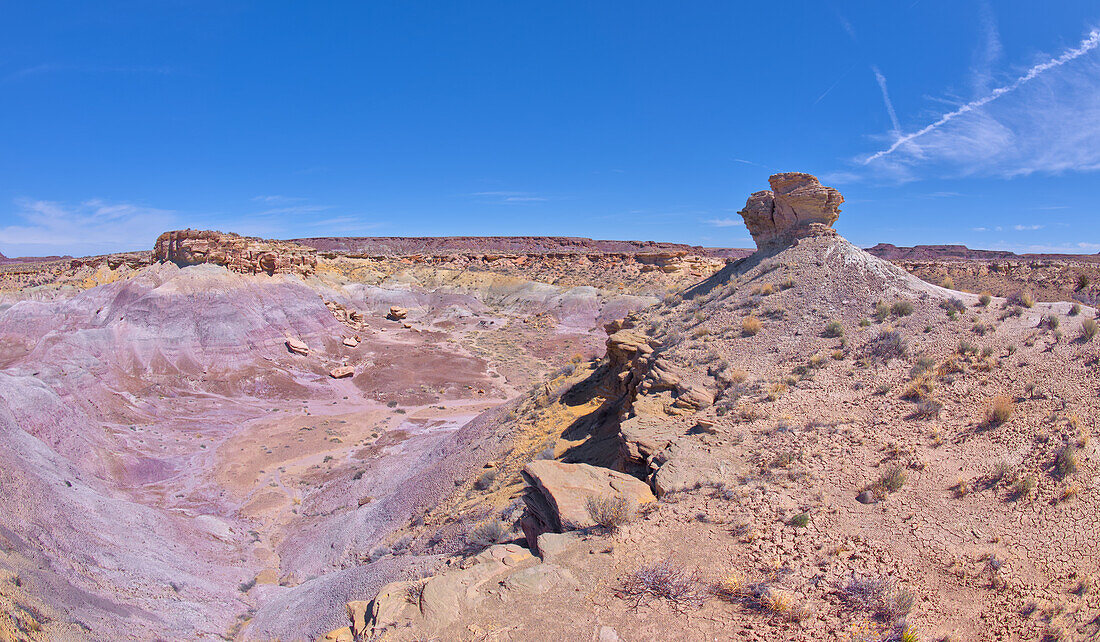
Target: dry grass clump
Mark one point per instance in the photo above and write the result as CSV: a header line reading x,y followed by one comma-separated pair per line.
x,y
1024,299
928,409
664,581
920,388
610,511
886,598
486,479
833,329
985,299
1024,487
892,480
487,533
751,326
999,411
901,308
1065,464
1088,329
889,344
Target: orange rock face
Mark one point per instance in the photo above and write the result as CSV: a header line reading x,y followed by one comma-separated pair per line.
x,y
243,254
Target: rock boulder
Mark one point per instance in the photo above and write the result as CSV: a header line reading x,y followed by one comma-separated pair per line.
x,y
557,495
797,205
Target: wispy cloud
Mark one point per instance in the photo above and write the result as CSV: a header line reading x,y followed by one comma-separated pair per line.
x,y
724,222
49,68
1027,228
277,198
509,197
1087,45
91,227
881,80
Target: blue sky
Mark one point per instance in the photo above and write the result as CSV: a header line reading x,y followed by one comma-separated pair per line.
x,y
970,121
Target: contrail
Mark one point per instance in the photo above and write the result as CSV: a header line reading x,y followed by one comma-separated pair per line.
x,y
1087,45
886,98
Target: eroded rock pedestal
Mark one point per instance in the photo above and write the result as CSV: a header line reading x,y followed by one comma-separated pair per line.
x,y
243,254
796,206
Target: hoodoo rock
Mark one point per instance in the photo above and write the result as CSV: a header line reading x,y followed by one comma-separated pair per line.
x,y
243,254
796,206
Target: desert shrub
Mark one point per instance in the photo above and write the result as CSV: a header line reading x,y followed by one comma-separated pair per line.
x,y
987,351
750,326
928,409
1000,410
954,304
1075,309
920,388
1002,472
1050,322
610,511
1065,464
948,283
673,300
486,479
884,597
1024,299
981,328
1082,281
1088,329
965,347
893,479
985,299
833,329
800,520
889,344
901,308
1024,487
881,311
923,364
863,323
487,533
664,581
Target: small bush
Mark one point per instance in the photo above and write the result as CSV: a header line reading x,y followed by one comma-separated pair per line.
x,y
889,344
610,511
891,481
1065,464
954,304
863,323
928,409
1088,329
1000,410
800,520
1024,299
1082,281
1024,487
1051,322
985,299
920,388
487,533
948,283
1075,309
833,329
924,364
901,308
664,581
486,479
750,326
881,311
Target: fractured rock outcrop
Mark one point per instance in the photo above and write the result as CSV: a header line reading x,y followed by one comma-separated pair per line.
x,y
558,493
243,254
796,206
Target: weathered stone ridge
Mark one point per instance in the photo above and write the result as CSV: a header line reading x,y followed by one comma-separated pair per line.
x,y
797,206
244,254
